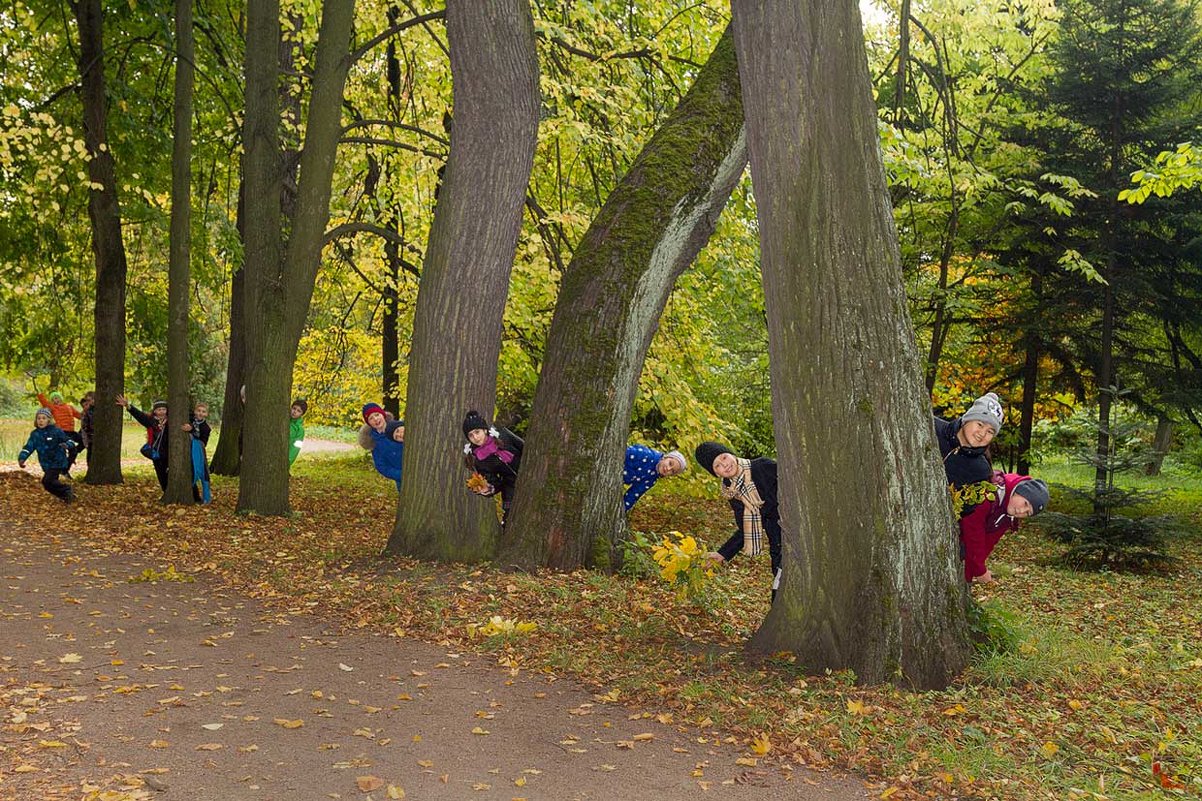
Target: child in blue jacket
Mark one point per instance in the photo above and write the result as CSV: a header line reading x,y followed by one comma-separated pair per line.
x,y
54,448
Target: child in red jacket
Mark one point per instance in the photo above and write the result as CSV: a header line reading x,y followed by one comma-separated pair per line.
x,y
1018,497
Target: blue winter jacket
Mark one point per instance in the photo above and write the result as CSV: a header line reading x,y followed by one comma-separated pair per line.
x,y
52,445
388,454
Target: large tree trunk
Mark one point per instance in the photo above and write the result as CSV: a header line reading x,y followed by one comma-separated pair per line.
x,y
465,276
650,229
278,292
871,581
179,445
104,211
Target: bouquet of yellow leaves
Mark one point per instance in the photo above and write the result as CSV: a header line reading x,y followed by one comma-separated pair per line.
x,y
478,483
682,564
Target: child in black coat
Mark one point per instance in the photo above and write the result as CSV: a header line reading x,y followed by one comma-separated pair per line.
x,y
496,455
750,486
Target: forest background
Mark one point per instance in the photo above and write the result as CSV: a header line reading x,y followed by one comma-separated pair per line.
x,y
1002,186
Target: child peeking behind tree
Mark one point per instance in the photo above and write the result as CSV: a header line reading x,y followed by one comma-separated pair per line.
x,y
296,428
750,487
1017,497
495,454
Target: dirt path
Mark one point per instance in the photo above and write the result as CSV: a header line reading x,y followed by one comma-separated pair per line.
x,y
186,690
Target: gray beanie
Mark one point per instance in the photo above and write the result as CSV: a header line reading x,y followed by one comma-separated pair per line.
x,y
987,409
678,456
1034,490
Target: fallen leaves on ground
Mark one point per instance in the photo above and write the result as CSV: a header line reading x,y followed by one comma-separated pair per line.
x,y
1099,695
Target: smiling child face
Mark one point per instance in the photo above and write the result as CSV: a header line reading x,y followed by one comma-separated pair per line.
x,y
726,465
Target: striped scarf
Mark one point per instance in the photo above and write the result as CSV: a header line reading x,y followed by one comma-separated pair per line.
x,y
741,488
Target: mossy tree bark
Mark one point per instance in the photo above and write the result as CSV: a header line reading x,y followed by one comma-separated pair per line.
x,y
465,275
650,229
104,212
179,446
278,289
870,560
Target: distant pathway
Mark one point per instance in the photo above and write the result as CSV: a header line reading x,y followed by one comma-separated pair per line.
x,y
177,690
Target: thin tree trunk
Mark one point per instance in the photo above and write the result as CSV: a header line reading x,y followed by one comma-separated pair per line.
x,y
261,169
1160,445
279,291
389,338
1026,423
871,581
569,510
179,445
104,212
227,455
465,276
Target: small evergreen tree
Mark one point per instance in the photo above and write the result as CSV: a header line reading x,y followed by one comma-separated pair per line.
x,y
1106,538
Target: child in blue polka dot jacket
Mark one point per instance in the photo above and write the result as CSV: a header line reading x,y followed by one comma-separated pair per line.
x,y
644,466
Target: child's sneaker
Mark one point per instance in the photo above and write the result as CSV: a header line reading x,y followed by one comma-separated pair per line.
x,y
69,498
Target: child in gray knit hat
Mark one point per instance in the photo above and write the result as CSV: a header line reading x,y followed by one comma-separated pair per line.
x,y
962,442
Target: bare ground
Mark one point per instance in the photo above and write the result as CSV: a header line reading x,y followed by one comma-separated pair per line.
x,y
187,690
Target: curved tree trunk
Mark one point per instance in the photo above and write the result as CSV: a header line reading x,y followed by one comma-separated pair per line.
x,y
179,446
465,276
104,211
870,577
279,292
650,229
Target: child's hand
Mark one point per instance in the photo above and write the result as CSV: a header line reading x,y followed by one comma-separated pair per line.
x,y
122,401
985,578
186,427
713,558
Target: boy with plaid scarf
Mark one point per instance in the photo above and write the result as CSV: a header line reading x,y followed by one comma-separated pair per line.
x,y
750,487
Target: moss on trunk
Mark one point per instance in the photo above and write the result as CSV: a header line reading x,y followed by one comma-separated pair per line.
x,y
650,229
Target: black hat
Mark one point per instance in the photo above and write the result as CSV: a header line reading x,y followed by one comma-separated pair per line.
x,y
707,452
1034,490
473,421
302,403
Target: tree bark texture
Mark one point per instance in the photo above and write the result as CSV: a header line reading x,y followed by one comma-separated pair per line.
x,y
465,276
104,212
871,578
179,446
279,291
651,228
227,456
390,351
261,170
1161,444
